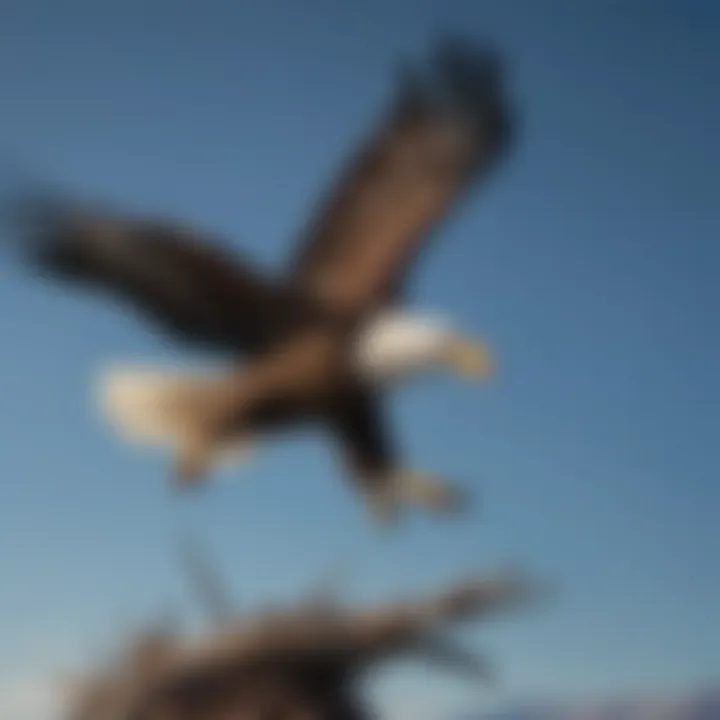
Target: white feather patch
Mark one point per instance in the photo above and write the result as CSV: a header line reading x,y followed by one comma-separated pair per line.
x,y
158,407
394,345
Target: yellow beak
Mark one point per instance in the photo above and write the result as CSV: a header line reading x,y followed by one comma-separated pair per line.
x,y
469,359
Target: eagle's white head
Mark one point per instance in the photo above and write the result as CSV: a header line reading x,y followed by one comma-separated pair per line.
x,y
396,345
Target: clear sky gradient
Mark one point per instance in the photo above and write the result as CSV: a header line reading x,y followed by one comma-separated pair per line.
x,y
590,263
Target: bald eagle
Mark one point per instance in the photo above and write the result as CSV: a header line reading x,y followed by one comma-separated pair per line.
x,y
320,344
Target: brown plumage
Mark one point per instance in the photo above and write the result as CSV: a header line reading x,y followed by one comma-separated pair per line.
x,y
300,335
286,665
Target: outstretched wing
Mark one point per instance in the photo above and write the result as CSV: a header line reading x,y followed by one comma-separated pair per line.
x,y
441,134
195,291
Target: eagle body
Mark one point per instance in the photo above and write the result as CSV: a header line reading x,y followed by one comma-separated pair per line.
x,y
323,342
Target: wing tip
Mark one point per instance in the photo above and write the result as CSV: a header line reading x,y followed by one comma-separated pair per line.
x,y
33,223
464,77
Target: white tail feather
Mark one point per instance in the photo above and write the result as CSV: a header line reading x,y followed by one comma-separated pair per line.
x,y
158,407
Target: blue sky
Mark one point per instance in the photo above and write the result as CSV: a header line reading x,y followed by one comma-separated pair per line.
x,y
590,264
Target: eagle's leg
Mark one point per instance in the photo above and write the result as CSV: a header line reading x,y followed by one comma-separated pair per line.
x,y
196,457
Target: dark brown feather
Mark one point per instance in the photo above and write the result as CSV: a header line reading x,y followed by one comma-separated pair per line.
x,y
195,290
